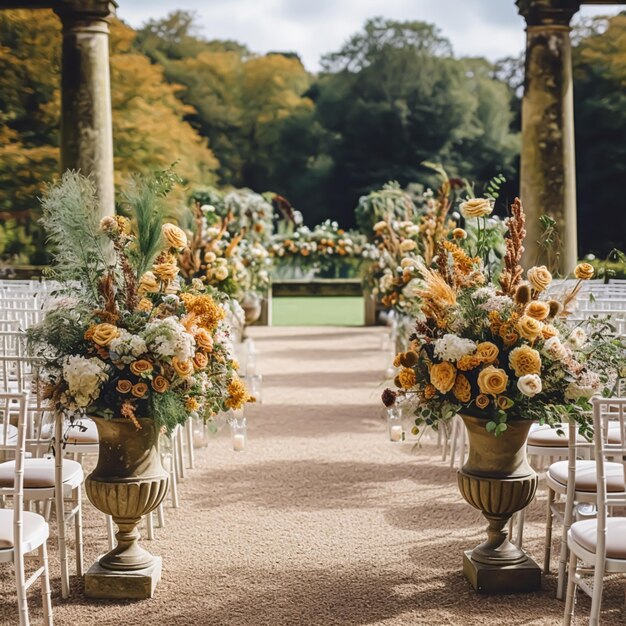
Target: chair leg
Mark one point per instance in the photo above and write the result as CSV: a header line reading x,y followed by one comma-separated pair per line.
x,y
596,598
20,582
455,430
47,509
149,526
161,515
462,445
110,531
189,438
180,457
78,529
548,540
45,585
174,483
570,600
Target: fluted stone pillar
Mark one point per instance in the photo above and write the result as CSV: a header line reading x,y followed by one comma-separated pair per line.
x,y
548,176
86,125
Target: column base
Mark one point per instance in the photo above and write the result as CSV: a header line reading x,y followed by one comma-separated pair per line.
x,y
134,585
524,577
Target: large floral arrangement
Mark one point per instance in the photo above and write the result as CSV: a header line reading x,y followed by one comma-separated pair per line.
x,y
129,339
319,249
501,350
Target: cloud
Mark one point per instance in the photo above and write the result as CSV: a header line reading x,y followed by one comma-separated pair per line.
x,y
490,28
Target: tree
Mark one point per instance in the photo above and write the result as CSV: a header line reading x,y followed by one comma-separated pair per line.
x,y
394,97
600,112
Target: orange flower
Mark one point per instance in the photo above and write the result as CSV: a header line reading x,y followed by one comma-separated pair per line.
x,y
482,401
510,339
538,310
468,362
183,368
407,378
442,376
160,384
429,391
200,360
584,271
204,340
462,389
191,404
144,306
525,360
549,331
487,352
141,367
124,386
529,328
139,390
492,380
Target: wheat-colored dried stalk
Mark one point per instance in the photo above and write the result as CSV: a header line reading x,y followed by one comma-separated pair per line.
x,y
512,272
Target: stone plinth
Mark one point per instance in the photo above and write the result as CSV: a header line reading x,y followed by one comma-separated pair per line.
x,y
137,585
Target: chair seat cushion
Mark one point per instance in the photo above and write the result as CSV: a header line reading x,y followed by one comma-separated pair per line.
x,y
586,475
34,533
585,535
39,473
547,437
81,432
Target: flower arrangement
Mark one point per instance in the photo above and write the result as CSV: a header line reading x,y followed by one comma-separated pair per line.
x,y
502,351
319,249
130,339
213,254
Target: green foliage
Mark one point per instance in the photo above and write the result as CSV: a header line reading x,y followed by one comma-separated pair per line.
x,y
390,201
71,219
144,199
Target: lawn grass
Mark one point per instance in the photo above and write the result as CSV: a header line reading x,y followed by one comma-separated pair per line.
x,y
322,311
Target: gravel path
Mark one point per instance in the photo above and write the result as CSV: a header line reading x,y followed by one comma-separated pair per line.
x,y
320,522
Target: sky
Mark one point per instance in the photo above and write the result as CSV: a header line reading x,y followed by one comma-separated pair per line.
x,y
489,28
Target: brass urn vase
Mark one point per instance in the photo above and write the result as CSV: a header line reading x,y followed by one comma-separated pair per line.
x,y
498,480
128,482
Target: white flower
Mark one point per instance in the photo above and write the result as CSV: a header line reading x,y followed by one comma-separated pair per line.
x,y
207,208
554,349
169,338
221,272
577,338
452,348
529,385
496,303
84,378
484,293
127,347
587,385
386,282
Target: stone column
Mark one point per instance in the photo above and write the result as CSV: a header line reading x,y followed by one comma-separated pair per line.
x,y
548,177
86,126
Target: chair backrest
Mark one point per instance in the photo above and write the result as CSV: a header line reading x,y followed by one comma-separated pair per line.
x,y
18,373
12,343
10,406
609,446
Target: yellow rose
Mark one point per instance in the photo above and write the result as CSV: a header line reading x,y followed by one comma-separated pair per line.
x,y
204,339
539,277
200,360
139,390
459,233
148,283
407,378
104,334
141,367
537,310
525,360
462,389
584,271
504,403
160,384
182,368
549,331
144,305
124,386
492,380
482,401
442,376
487,352
166,271
529,328
476,207
510,339
174,236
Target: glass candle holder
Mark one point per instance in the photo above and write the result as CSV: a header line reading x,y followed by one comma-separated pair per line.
x,y
255,387
394,424
200,433
239,433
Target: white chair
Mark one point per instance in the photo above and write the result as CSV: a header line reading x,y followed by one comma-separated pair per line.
x,y
601,541
21,531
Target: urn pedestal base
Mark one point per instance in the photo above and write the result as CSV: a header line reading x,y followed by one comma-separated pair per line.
x,y
523,577
136,585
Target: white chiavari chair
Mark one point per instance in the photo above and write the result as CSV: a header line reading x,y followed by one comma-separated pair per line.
x,y
22,532
600,541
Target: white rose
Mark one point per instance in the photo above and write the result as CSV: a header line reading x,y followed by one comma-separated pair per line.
x,y
529,385
476,207
577,338
554,349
